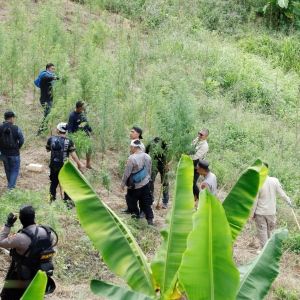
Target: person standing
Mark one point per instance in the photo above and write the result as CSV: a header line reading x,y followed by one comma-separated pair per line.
x,y
78,121
60,147
22,269
141,190
46,82
11,141
263,211
158,150
201,147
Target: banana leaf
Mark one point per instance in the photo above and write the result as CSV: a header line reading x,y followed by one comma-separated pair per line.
x,y
109,234
168,257
37,287
114,292
239,201
207,270
257,276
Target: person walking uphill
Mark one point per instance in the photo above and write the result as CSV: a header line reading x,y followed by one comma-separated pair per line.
x,y
263,211
60,147
46,82
78,121
201,151
11,141
27,247
136,176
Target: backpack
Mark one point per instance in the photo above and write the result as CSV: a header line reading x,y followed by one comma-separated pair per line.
x,y
41,251
7,140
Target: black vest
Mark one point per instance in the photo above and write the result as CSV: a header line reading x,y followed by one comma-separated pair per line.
x,y
14,130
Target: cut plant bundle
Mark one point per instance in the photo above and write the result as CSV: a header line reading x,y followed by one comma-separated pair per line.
x,y
196,255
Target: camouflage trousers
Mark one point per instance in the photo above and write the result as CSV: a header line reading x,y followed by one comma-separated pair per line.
x,y
264,226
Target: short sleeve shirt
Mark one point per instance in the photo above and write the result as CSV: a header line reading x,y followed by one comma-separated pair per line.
x,y
60,148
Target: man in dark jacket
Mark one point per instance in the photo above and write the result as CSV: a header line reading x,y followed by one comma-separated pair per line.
x,y
11,141
15,281
46,82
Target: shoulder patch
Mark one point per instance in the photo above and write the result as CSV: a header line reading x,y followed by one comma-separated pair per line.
x,y
203,185
10,237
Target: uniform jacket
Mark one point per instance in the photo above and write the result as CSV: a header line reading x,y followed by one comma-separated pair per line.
x,y
201,149
135,163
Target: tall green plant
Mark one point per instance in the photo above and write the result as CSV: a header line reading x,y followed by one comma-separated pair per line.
x,y
197,260
37,287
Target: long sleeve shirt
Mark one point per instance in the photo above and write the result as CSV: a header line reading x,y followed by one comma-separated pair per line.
x,y
46,88
265,201
135,163
201,149
78,122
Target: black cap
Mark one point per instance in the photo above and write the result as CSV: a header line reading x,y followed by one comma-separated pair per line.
x,y
9,114
138,130
203,164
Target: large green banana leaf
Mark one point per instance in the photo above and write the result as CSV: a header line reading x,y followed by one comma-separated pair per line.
x,y
207,270
168,257
37,287
257,276
239,201
114,292
109,234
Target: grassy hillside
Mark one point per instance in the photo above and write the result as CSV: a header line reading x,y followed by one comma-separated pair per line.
x,y
170,67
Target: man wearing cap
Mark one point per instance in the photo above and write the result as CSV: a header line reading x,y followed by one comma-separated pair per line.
x,y
201,147
209,180
46,82
78,121
19,243
141,190
11,141
263,211
60,147
135,134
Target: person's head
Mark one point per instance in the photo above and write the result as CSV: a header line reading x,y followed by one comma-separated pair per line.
x,y
62,128
266,164
203,134
203,167
135,146
79,107
136,133
50,68
27,215
9,116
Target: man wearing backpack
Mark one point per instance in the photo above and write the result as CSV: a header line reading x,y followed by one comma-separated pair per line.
x,y
139,163
11,141
27,253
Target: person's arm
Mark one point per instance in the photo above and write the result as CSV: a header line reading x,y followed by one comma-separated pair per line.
x,y
201,152
195,141
127,172
70,124
76,159
12,241
281,193
253,209
48,145
49,78
20,138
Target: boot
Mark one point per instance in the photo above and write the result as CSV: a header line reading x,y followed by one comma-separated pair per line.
x,y
150,222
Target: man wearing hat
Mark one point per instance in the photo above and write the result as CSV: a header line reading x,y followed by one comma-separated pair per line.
x,y
209,180
201,147
60,147
11,141
19,276
140,190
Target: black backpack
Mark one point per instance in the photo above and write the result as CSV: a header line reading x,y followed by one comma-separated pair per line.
x,y
41,251
7,140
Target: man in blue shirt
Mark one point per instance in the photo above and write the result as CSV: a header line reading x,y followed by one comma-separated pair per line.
x,y
11,141
78,121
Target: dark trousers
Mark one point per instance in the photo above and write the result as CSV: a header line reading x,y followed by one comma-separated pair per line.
x,y
54,183
142,195
164,180
16,292
47,108
196,190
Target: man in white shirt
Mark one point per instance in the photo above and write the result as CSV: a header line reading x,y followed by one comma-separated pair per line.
x,y
201,151
263,211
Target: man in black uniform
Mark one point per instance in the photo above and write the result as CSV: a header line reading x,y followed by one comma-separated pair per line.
x,y
46,82
158,150
19,276
60,147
